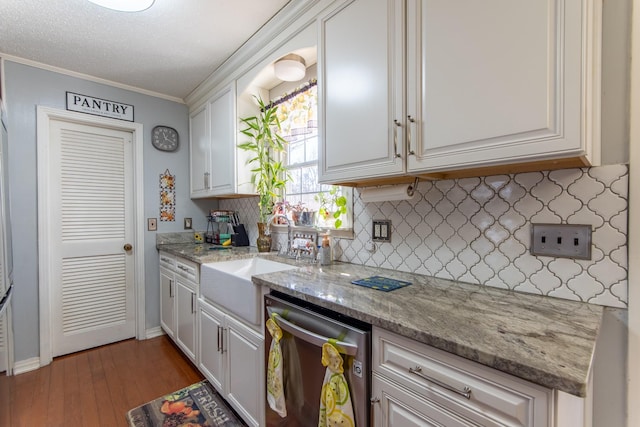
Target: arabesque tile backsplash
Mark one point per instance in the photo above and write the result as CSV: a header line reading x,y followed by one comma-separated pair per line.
x,y
477,230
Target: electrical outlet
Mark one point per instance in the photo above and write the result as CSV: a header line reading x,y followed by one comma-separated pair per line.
x,y
381,230
152,224
561,240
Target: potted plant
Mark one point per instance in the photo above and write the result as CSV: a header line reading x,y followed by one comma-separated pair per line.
x,y
268,174
301,215
333,204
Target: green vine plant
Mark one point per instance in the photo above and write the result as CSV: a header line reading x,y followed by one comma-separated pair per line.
x,y
332,204
268,174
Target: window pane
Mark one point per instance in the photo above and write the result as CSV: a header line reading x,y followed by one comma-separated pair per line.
x,y
296,152
310,179
298,116
293,185
312,148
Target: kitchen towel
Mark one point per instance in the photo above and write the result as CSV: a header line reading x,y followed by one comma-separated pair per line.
x,y
335,398
275,389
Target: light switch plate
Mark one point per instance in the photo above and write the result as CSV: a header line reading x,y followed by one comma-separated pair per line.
x,y
561,240
152,224
381,230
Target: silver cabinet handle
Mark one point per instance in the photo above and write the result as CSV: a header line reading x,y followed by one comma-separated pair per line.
x,y
193,303
219,345
311,337
222,329
395,138
372,412
170,288
206,180
465,392
409,150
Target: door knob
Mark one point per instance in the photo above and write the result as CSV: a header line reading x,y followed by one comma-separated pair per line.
x,y
127,247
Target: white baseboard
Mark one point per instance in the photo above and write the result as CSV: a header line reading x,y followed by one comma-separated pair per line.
x,y
154,332
24,366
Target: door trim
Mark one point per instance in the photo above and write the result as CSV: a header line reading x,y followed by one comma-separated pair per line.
x,y
44,116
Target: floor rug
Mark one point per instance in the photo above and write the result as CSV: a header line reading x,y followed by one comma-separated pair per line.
x,y
196,405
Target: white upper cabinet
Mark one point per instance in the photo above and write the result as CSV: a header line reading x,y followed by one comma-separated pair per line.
x,y
361,80
199,152
429,87
217,165
497,82
222,115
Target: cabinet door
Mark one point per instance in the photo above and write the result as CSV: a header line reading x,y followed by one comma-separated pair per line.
x,y
222,114
498,82
199,152
395,407
210,356
245,364
167,307
185,317
361,81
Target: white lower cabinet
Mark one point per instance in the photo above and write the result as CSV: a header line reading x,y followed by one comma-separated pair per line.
x,y
416,385
232,358
397,406
167,301
179,282
186,295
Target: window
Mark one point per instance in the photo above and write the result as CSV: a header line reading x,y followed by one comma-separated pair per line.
x,y
298,115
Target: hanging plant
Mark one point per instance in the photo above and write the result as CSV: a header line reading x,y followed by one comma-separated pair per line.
x,y
333,204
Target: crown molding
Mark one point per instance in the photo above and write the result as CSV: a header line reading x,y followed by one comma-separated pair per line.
x,y
88,77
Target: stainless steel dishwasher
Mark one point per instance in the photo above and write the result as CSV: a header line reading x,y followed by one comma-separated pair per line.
x,y
306,327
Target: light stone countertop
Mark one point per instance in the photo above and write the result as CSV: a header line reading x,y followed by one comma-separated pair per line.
x,y
545,340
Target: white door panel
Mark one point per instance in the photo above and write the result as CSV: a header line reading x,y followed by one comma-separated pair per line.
x,y
92,293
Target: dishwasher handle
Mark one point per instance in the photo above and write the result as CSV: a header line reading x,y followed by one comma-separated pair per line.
x,y
311,337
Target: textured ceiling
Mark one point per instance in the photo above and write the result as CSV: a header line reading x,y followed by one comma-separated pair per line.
x,y
169,48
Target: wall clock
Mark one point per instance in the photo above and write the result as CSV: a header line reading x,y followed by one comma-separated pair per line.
x,y
164,138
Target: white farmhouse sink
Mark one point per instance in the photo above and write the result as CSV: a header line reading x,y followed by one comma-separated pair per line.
x,y
229,285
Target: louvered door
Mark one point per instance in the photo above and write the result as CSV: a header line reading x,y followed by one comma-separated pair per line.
x,y
92,292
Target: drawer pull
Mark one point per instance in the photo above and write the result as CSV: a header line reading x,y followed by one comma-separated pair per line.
x,y
465,392
409,150
395,139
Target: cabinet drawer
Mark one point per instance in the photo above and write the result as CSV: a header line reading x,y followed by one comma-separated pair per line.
x,y
476,392
167,261
188,269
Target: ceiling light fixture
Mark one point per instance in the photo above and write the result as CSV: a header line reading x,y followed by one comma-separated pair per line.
x,y
290,68
125,5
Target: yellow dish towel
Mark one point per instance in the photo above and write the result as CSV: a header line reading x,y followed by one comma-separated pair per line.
x,y
335,399
275,389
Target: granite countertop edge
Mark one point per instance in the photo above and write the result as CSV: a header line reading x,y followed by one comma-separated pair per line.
x,y
471,321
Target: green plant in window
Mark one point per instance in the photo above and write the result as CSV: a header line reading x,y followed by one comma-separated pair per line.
x,y
268,173
333,204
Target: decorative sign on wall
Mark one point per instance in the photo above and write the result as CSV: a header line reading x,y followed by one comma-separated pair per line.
x,y
99,107
167,196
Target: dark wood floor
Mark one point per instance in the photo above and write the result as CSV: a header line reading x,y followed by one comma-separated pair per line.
x,y
95,387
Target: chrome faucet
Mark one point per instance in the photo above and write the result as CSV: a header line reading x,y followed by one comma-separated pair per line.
x,y
289,232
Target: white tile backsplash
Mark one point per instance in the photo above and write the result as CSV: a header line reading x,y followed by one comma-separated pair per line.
x,y
477,230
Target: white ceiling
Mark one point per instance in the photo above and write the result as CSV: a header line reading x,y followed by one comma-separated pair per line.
x,y
168,49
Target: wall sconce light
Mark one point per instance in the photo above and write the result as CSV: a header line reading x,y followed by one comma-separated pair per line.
x,y
290,68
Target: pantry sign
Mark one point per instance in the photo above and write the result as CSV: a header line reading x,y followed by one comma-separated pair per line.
x,y
99,107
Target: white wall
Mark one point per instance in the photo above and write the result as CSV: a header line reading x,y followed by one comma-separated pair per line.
x,y
27,87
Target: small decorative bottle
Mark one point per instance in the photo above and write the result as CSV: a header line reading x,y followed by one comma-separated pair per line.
x,y
325,251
